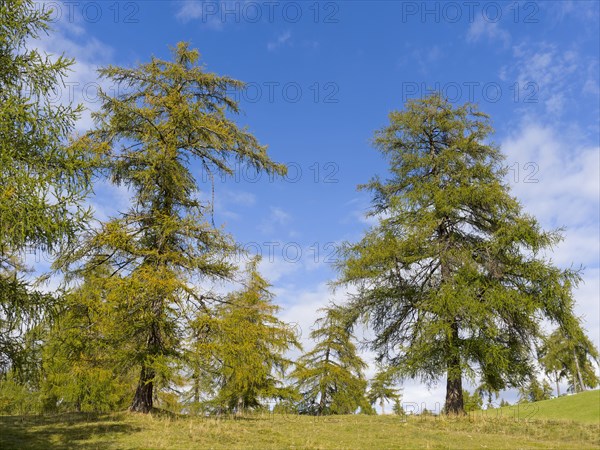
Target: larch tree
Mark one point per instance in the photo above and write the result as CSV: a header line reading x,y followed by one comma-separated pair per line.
x,y
330,376
381,388
81,369
43,182
166,116
472,401
453,278
570,354
534,391
248,347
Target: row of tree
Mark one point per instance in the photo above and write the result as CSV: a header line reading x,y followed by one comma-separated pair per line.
x,y
452,280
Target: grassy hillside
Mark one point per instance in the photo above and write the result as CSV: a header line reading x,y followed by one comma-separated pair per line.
x,y
583,407
579,428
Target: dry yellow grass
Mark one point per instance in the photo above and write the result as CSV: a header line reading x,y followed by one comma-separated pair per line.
x,y
135,431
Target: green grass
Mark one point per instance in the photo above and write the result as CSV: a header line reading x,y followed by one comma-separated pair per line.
x,y
583,407
575,429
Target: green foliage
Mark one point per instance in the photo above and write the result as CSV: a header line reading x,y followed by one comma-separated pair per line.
x,y
18,398
22,311
535,392
242,346
167,115
452,279
398,409
42,182
381,388
569,353
81,370
472,402
330,376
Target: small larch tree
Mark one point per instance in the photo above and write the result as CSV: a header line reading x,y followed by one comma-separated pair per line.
x,y
168,118
381,388
247,345
452,279
81,369
534,391
330,376
570,354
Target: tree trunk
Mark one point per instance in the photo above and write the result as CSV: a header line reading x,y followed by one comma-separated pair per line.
x,y
382,406
196,389
579,377
557,384
322,400
142,400
239,410
454,392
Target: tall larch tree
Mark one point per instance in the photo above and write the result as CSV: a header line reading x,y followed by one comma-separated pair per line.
x,y
452,279
330,377
168,119
43,182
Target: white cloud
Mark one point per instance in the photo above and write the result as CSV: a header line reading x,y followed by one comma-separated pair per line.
x,y
585,12
301,306
567,194
281,40
69,37
241,198
564,184
484,29
273,266
277,217
427,62
556,74
592,81
207,12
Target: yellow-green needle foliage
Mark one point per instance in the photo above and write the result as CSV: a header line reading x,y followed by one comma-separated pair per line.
x,y
247,344
330,376
381,388
42,182
169,120
453,278
570,354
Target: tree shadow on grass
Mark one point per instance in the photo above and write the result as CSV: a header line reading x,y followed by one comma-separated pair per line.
x,y
60,431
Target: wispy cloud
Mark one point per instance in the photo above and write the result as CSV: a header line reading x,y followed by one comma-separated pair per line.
x,y
276,218
556,73
282,40
426,61
279,216
484,29
208,13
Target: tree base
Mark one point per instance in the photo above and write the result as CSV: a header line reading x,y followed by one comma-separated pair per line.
x,y
142,400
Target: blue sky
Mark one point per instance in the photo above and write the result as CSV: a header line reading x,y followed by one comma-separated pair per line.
x,y
322,77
